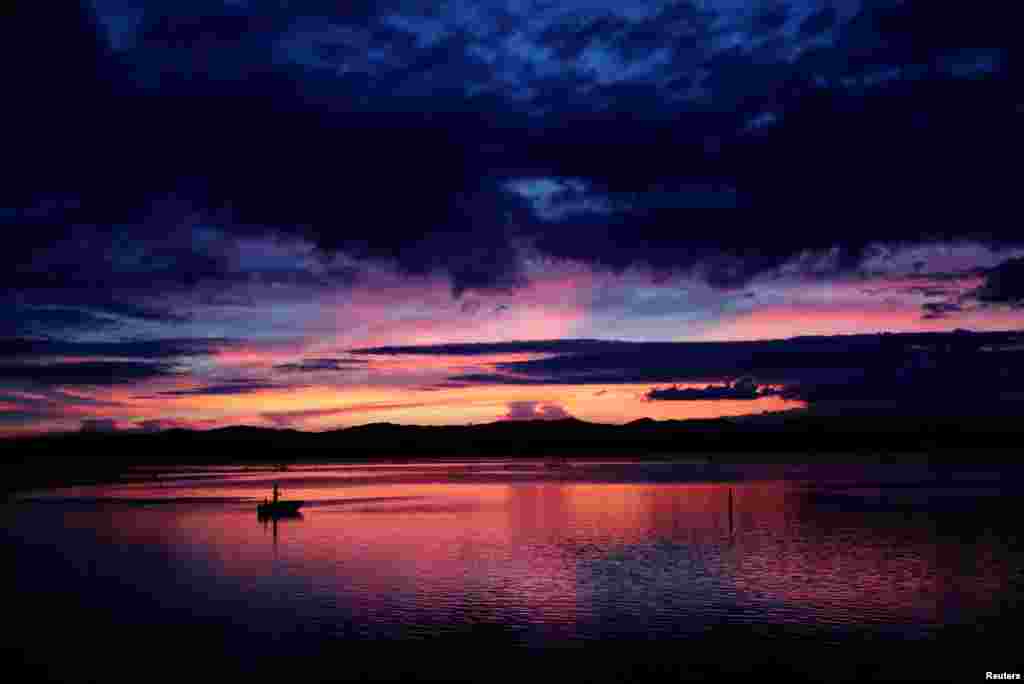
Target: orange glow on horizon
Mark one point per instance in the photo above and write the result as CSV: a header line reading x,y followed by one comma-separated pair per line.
x,y
323,407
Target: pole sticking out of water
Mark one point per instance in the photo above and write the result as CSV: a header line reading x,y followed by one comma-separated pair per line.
x,y
730,513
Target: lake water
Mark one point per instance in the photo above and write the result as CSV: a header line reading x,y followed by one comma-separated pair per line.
x,y
399,570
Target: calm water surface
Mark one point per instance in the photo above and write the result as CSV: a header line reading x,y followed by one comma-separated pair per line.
x,y
536,556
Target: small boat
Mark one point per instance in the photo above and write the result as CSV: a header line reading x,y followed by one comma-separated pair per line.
x,y
278,508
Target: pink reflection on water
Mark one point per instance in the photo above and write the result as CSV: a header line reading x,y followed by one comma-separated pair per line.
x,y
395,541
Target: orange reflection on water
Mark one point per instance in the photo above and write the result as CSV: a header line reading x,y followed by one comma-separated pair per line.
x,y
638,513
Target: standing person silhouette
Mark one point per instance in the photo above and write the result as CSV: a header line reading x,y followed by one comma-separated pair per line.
x,y
275,492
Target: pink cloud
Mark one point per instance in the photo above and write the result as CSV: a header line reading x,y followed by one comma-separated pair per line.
x,y
390,310
534,410
290,418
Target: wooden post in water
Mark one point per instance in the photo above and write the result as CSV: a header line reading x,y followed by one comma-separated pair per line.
x,y
730,513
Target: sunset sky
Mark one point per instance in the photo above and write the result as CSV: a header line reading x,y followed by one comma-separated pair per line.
x,y
321,214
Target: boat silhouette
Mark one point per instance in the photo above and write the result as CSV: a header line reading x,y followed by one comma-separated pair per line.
x,y
278,508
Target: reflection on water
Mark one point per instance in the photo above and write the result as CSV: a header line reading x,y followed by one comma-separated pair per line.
x,y
588,552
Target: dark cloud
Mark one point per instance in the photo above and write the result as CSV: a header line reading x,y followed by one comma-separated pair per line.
x,y
934,310
929,291
633,362
943,381
52,399
470,306
289,418
80,309
947,373
46,403
223,389
201,31
86,372
159,425
20,418
253,182
534,410
771,17
469,379
819,22
391,134
491,348
169,348
1003,284
28,320
742,388
316,365
99,425
894,368
569,40
952,292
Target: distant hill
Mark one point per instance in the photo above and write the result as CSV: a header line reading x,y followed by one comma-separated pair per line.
x,y
796,435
